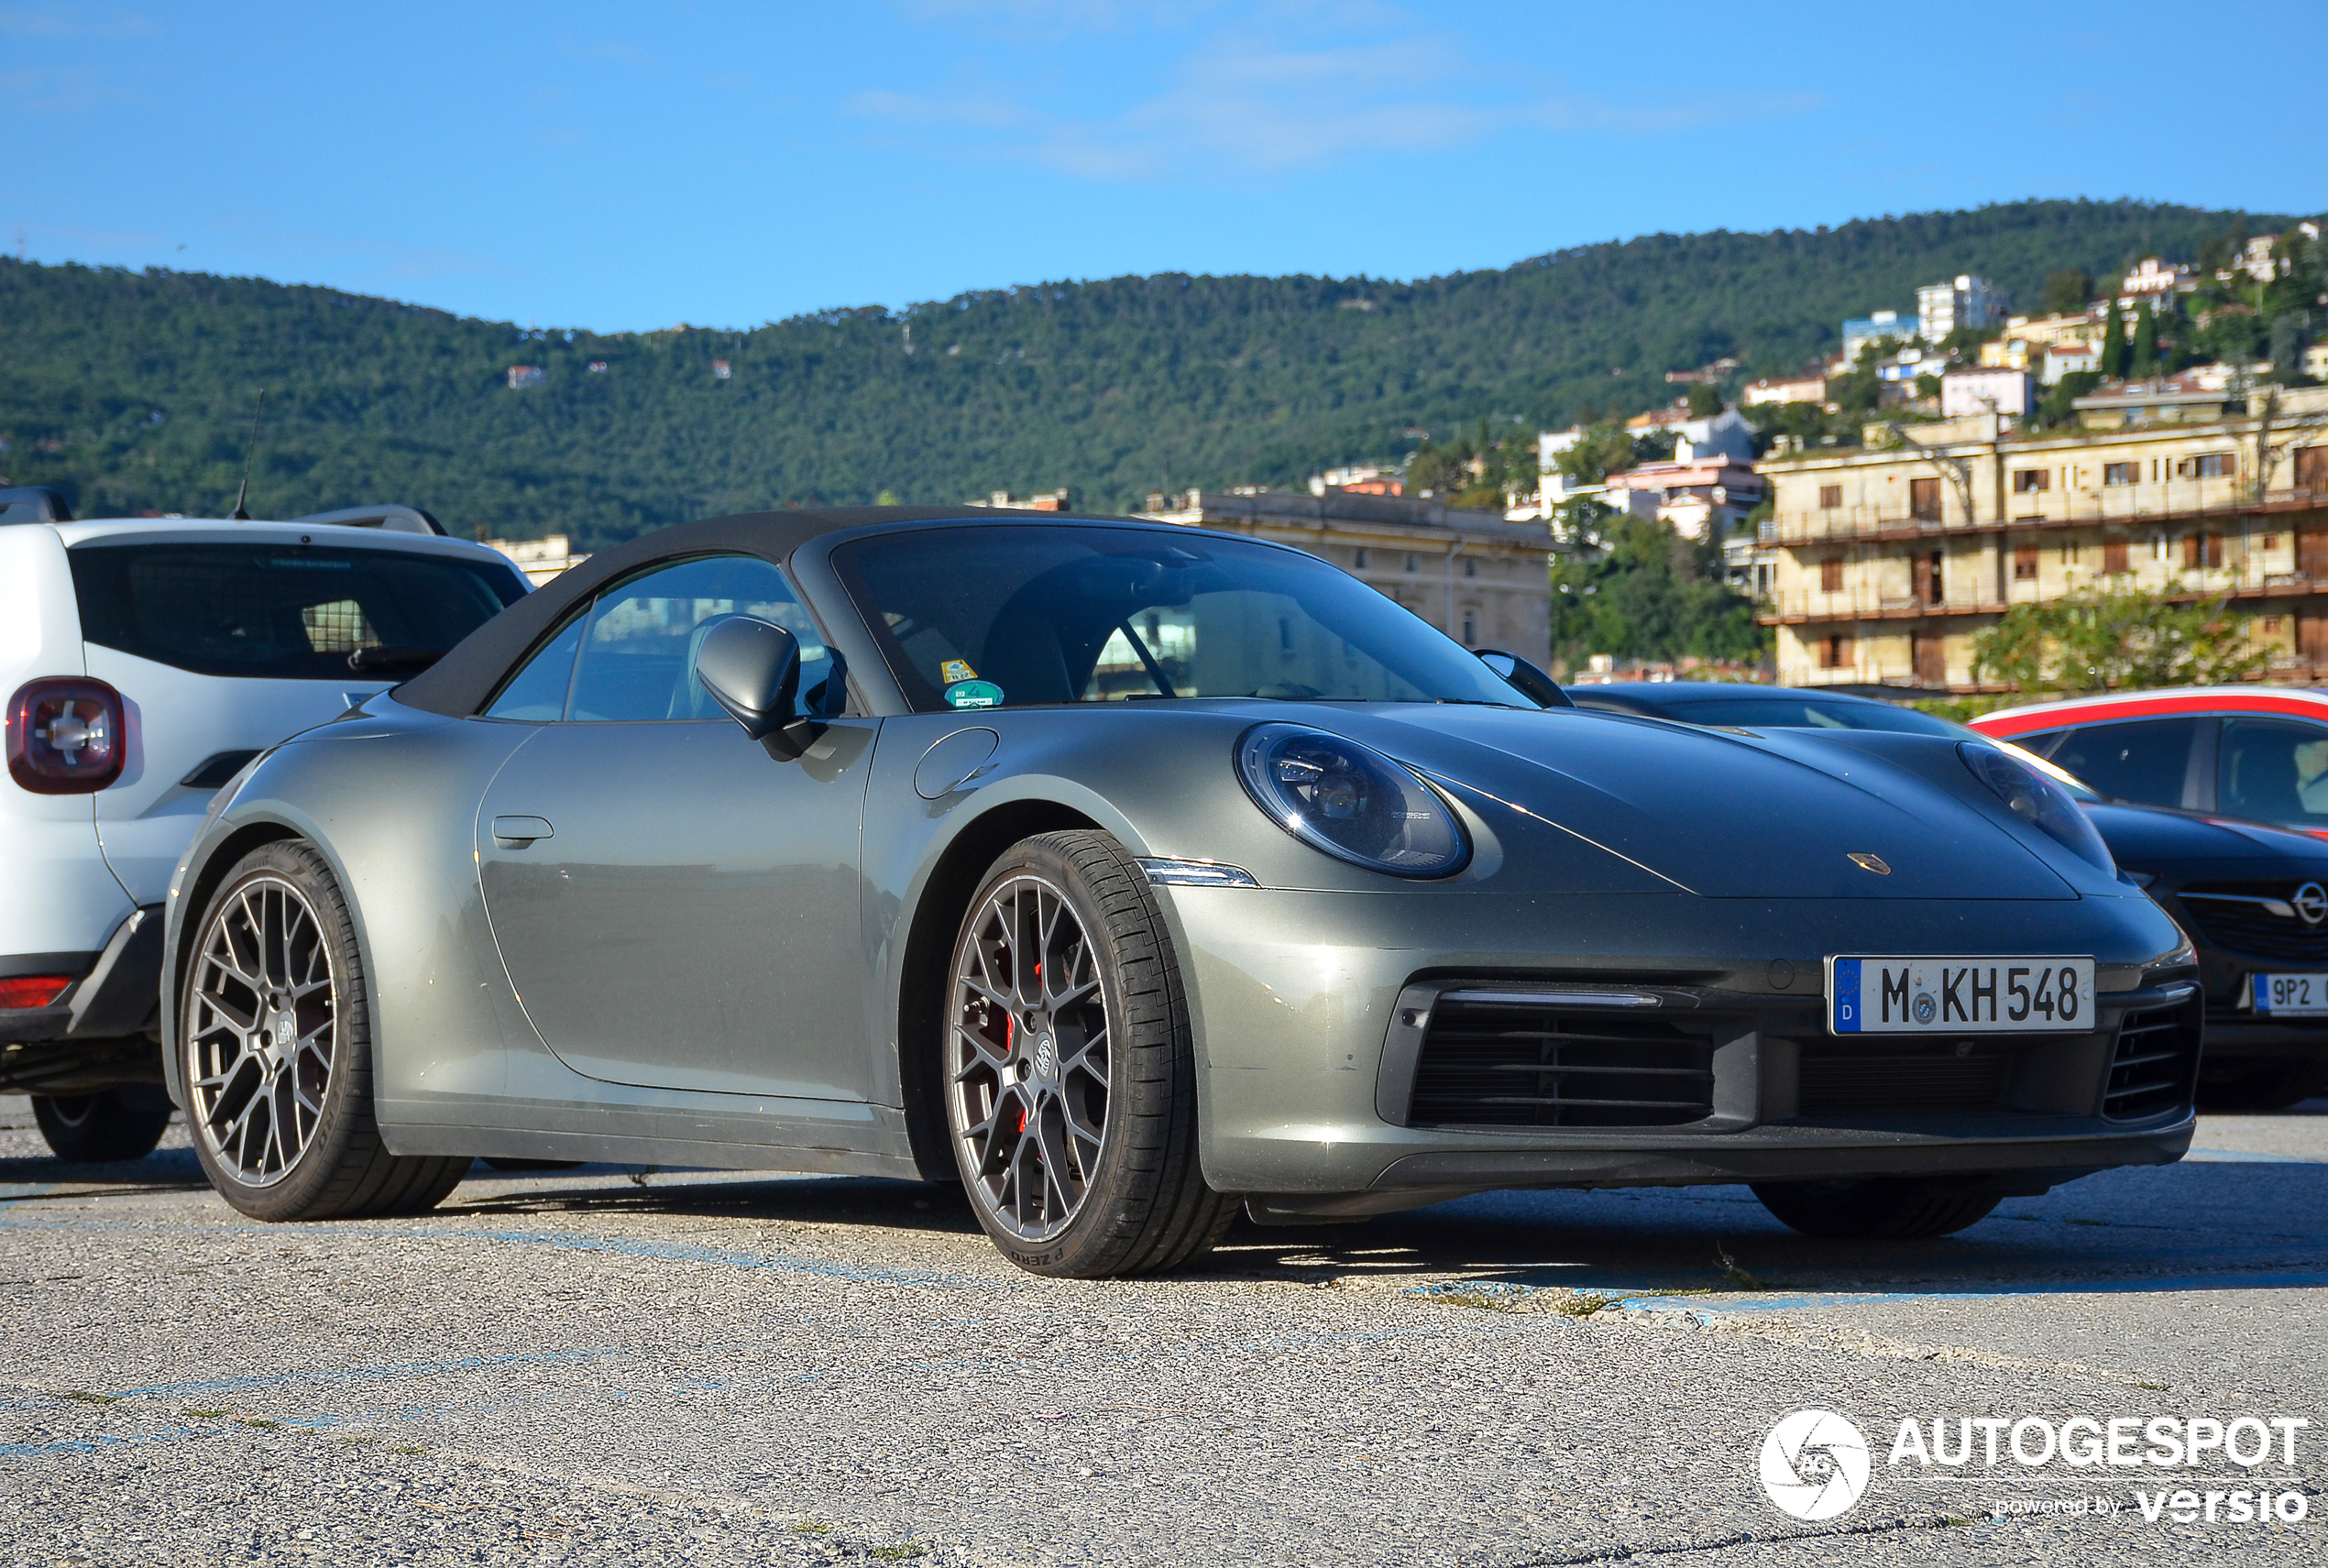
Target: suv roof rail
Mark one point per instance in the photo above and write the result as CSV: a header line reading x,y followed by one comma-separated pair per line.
x,y
391,516
33,503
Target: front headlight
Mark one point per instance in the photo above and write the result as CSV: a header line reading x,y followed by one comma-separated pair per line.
x,y
1349,801
2039,802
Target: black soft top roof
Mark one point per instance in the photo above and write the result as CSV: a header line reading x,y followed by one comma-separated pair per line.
x,y
457,685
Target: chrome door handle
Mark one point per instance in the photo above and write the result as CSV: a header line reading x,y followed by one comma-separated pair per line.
x,y
517,832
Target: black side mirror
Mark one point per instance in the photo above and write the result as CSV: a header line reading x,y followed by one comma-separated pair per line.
x,y
1525,678
751,668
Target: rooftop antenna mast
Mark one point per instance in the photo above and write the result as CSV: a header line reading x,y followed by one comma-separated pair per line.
x,y
238,514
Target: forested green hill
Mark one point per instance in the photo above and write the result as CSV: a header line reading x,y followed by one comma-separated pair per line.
x,y
131,391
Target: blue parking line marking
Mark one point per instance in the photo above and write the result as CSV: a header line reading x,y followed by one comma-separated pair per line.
x,y
2246,1157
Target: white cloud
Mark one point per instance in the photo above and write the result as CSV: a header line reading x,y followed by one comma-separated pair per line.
x,y
1252,104
36,90
67,22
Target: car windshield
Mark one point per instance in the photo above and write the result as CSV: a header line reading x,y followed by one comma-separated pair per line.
x,y
283,611
1013,615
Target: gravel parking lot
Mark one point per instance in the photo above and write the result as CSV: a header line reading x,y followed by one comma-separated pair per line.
x,y
607,1365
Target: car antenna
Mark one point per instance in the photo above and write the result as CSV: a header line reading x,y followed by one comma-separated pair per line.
x,y
238,514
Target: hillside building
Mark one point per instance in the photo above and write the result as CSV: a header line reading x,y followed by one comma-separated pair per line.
x,y
1704,499
1979,389
1044,500
1482,579
1797,389
1964,301
2156,280
1886,563
540,559
1864,330
1363,479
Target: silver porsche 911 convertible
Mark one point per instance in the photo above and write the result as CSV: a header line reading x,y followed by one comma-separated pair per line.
x,y
1129,875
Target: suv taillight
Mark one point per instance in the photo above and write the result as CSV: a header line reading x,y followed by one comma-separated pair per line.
x,y
64,736
32,990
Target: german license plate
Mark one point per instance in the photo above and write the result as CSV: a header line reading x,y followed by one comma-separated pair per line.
x,y
2291,995
1867,995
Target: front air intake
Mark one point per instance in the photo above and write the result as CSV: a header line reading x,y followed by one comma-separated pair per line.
x,y
1536,1064
2155,1066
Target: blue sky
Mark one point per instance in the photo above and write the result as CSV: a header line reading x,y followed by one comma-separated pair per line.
x,y
632,167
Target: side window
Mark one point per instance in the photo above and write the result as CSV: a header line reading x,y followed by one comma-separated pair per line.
x,y
2040,743
2274,769
638,641
537,692
2145,761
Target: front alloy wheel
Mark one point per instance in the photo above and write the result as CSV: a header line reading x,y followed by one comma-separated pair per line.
x,y
1030,1058
1071,1084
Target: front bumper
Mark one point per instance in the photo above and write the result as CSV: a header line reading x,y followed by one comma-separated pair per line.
x,y
1309,1048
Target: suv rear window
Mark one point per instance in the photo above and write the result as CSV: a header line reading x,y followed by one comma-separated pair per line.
x,y
279,611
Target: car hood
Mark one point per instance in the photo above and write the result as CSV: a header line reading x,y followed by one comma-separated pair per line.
x,y
2147,838
1723,814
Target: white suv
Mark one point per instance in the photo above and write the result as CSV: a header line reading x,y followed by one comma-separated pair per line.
x,y
145,662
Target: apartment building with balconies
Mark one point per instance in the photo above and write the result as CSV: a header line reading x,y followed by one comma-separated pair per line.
x,y
1886,562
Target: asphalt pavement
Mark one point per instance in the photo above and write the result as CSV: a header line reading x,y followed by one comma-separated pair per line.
x,y
607,1365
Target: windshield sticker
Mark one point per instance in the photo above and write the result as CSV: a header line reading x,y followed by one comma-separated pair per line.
x,y
973,693
955,671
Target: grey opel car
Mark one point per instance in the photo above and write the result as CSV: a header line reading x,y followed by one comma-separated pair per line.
x,y
1129,875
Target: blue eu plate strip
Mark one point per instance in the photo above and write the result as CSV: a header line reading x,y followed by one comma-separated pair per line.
x,y
1845,1002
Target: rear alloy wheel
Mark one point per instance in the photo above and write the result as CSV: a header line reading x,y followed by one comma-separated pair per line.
x,y
110,1126
276,1031
1070,1082
1882,1209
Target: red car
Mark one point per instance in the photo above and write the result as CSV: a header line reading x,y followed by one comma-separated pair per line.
x,y
2260,753
2212,756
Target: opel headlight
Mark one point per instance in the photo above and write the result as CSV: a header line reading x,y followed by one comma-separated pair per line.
x,y
1350,801
2039,802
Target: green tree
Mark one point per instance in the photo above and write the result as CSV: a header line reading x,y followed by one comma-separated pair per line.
x,y
1858,390
2057,409
1603,449
2114,344
2145,341
2130,640
2068,291
1649,595
1705,398
131,391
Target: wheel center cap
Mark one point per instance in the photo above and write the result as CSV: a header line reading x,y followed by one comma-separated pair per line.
x,y
1046,1055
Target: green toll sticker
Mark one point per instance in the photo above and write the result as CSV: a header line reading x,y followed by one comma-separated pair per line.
x,y
975,694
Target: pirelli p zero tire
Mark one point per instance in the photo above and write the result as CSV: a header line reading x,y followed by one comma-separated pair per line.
x,y
98,1129
1877,1209
274,1025
1070,1079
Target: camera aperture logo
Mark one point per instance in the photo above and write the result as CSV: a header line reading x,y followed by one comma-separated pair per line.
x,y
1815,1464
